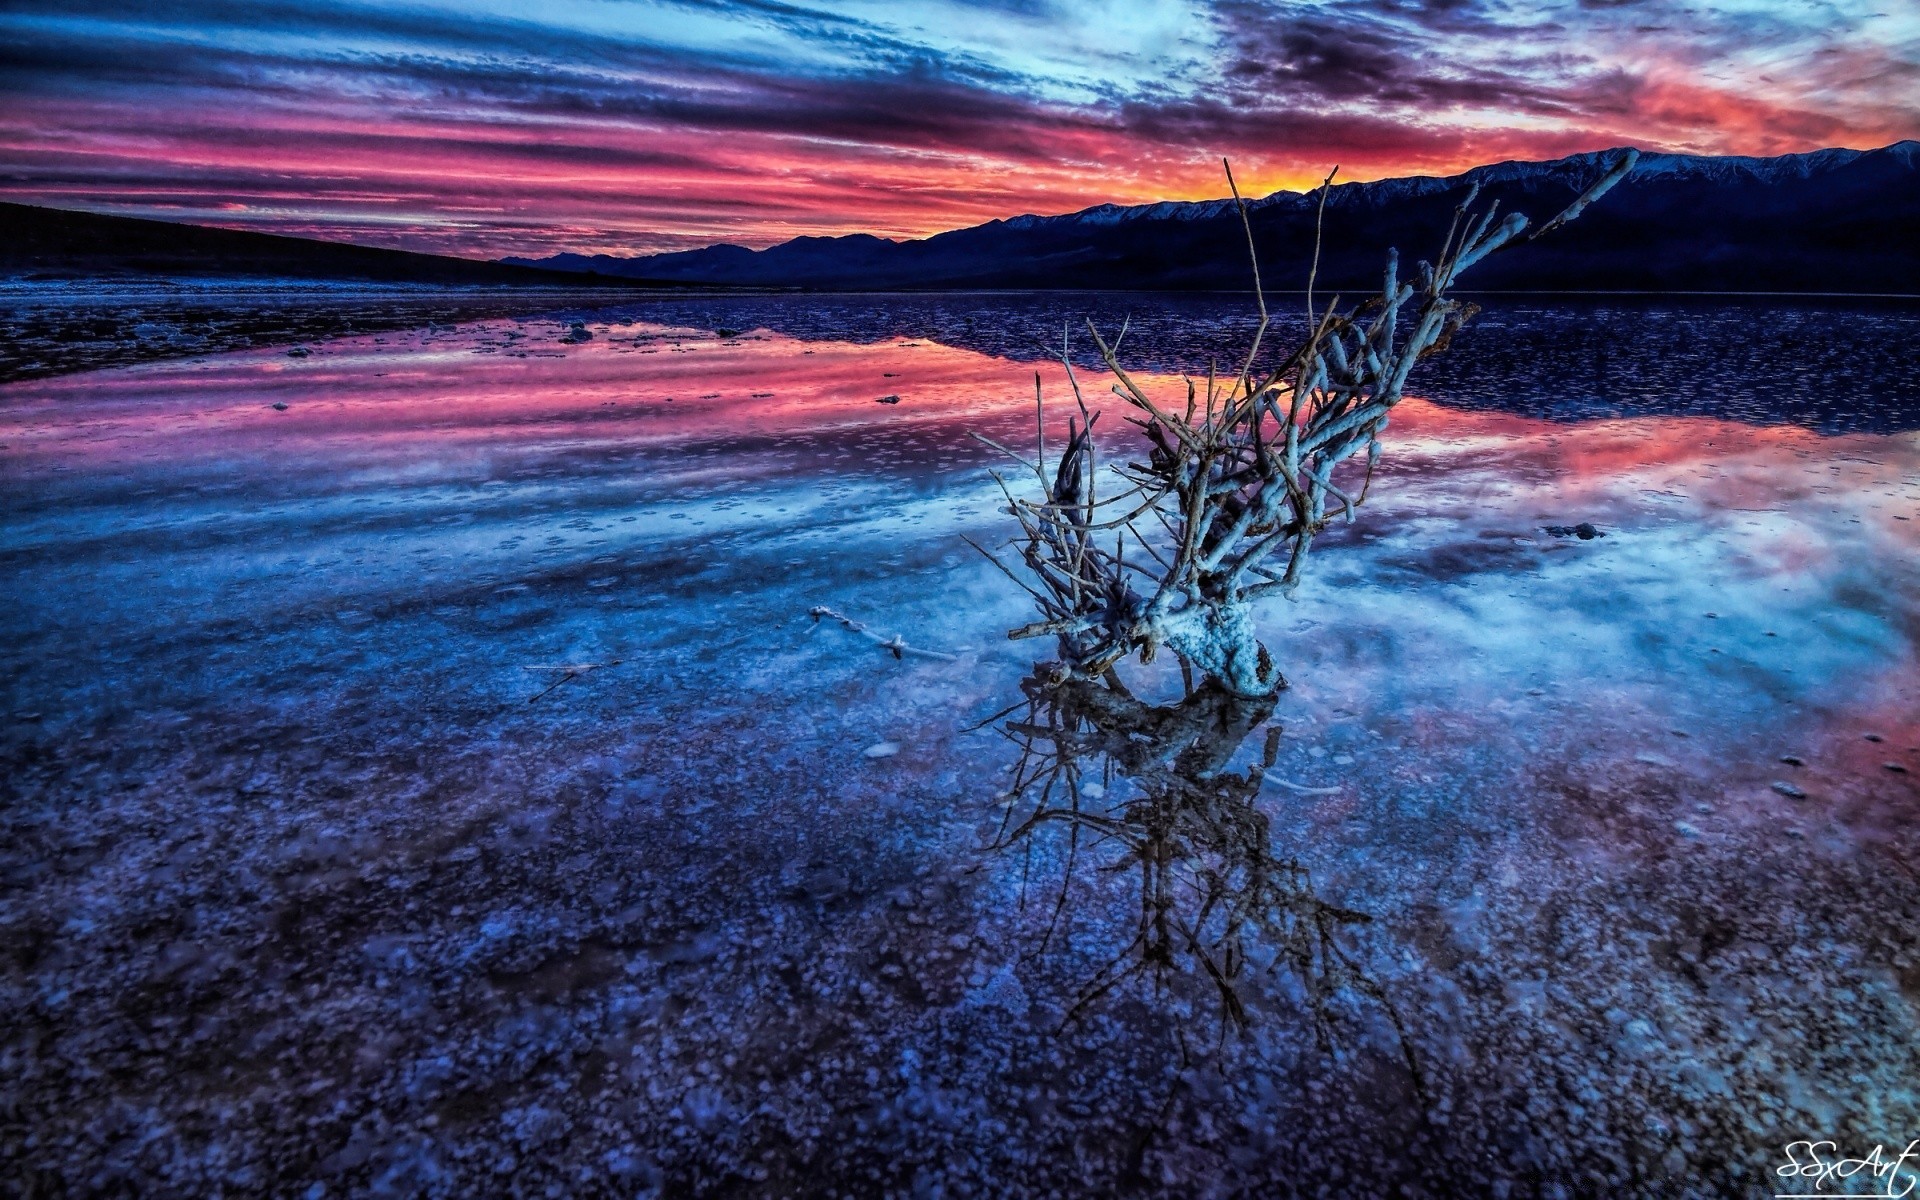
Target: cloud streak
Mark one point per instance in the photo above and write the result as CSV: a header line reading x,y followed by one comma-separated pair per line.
x,y
644,125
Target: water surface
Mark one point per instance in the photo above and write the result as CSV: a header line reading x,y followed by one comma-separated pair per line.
x,y
320,874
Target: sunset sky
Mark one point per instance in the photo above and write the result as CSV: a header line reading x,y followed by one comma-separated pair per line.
x,y
630,126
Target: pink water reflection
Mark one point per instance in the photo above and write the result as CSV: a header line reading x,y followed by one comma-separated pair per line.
x,y
633,385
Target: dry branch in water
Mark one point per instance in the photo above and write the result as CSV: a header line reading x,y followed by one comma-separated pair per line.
x,y
1237,481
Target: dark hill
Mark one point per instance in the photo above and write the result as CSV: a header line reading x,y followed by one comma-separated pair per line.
x,y
62,244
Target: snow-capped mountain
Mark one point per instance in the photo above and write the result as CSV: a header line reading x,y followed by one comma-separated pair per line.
x,y
1833,220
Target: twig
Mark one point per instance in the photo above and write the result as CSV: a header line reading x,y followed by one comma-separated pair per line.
x,y
1319,220
1599,188
1302,788
1259,293
895,645
568,673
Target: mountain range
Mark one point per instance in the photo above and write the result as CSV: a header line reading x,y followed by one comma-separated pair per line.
x,y
49,244
1827,221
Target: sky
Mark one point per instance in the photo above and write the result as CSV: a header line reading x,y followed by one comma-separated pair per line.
x,y
494,127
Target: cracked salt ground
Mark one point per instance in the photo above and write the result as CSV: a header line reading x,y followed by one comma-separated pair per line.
x,y
299,903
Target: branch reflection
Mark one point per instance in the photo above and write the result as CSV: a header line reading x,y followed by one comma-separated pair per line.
x,y
1150,789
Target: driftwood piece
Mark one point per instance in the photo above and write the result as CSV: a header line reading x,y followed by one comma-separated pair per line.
x,y
1238,481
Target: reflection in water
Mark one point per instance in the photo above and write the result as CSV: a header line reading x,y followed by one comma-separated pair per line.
x,y
1838,365
300,891
1108,769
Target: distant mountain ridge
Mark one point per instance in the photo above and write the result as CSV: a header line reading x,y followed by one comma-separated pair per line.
x,y
1832,220
64,244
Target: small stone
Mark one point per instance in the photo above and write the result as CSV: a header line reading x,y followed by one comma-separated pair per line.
x,y
1793,760
279,406
1873,737
298,352
1788,790
1586,531
881,750
888,400
1895,767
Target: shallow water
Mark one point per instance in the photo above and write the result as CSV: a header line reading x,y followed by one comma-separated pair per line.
x,y
318,873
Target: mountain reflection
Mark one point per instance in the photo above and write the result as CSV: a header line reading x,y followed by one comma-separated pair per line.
x,y
1836,365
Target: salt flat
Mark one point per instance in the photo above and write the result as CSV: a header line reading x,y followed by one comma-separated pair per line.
x,y
316,883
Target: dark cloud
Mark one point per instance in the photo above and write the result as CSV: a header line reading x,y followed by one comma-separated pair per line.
x,y
1288,57
904,100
